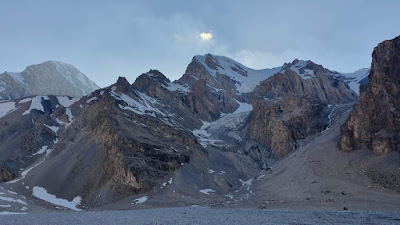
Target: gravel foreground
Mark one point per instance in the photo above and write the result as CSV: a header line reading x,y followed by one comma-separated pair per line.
x,y
200,215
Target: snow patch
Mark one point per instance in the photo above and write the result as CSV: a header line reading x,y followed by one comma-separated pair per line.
x,y
176,87
203,136
36,104
353,79
25,172
66,101
91,99
168,182
305,74
229,196
247,185
207,191
25,100
7,108
41,150
70,116
52,128
140,200
41,193
243,107
146,106
7,199
12,192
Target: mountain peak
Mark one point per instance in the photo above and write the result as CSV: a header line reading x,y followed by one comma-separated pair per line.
x,y
47,78
50,63
306,69
223,72
122,81
157,76
122,84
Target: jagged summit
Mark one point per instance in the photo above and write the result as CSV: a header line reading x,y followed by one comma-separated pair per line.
x,y
221,72
200,140
157,76
122,84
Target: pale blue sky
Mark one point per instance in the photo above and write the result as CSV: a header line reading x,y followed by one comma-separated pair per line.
x,y
107,39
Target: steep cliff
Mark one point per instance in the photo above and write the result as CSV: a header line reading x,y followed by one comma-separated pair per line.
x,y
375,121
295,103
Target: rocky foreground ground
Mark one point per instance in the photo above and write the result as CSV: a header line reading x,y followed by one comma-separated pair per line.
x,y
200,215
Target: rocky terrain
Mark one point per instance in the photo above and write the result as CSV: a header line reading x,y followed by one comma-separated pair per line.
x,y
47,78
295,103
223,135
374,122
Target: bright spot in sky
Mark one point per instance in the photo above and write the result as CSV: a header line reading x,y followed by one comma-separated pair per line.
x,y
206,36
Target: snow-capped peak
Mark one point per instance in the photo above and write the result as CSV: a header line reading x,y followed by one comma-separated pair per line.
x,y
57,78
303,68
246,79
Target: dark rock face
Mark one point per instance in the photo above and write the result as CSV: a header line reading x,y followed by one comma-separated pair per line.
x,y
127,139
277,124
6,173
22,137
123,142
209,105
287,107
375,120
324,84
196,71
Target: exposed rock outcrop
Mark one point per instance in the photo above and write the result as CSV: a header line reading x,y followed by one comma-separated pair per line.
x,y
26,133
6,173
294,104
130,139
124,140
375,120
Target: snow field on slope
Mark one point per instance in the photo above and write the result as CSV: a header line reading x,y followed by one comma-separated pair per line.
x,y
245,83
41,193
66,101
36,103
6,108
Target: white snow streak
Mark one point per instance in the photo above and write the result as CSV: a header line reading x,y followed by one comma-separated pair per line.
x,y
140,200
207,191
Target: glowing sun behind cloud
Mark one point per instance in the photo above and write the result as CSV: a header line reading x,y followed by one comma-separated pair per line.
x,y
206,36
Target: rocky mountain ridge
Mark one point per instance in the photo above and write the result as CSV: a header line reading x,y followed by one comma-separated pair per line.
x,y
203,138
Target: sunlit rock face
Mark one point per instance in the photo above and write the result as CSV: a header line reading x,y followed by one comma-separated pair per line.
x,y
48,78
